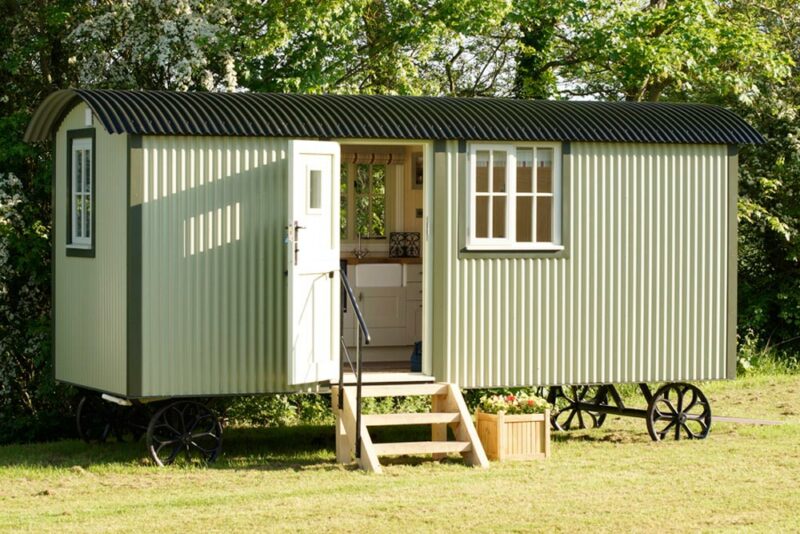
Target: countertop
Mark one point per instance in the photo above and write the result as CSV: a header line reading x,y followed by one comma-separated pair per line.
x,y
352,260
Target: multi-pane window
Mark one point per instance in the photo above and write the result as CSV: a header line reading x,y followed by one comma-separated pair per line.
x,y
363,210
81,176
514,198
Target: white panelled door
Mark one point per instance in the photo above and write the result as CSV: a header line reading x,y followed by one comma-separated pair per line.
x,y
313,258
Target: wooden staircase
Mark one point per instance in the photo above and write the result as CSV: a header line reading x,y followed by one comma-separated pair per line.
x,y
447,409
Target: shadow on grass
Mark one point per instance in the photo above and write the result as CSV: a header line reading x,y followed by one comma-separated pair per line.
x,y
241,448
282,448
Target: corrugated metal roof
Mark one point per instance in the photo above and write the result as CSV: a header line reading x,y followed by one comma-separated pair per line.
x,y
394,117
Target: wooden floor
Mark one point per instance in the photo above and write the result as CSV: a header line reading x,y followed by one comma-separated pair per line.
x,y
384,367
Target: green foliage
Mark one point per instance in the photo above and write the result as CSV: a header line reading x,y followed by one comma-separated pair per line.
x,y
742,54
757,359
281,410
33,61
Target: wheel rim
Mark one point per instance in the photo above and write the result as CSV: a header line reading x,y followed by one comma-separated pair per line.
x,y
95,419
568,417
678,411
184,431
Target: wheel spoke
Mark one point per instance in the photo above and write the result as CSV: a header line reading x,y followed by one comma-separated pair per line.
x,y
669,405
581,424
663,432
568,422
204,450
689,433
680,393
691,403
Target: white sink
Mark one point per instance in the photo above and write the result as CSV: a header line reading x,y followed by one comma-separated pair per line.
x,y
379,275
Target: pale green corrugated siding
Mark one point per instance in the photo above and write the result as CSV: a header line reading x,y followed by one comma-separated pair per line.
x,y
214,321
640,296
90,295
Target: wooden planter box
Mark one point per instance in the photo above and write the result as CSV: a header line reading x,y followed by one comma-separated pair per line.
x,y
515,437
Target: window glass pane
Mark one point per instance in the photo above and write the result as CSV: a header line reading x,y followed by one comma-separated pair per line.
x,y
524,219
362,215
78,230
524,170
378,193
77,177
370,200
544,219
499,171
498,216
361,184
87,216
343,201
87,166
544,170
482,171
315,189
481,216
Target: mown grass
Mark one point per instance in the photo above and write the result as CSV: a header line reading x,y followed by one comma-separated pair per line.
x,y
612,479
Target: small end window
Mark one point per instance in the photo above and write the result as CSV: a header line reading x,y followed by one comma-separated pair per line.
x,y
80,194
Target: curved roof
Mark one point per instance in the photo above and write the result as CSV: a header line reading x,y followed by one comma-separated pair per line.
x,y
393,117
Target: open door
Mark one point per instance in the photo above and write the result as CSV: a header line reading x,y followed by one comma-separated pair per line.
x,y
313,258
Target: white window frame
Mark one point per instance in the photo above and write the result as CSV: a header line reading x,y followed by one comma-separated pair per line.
x,y
81,239
509,242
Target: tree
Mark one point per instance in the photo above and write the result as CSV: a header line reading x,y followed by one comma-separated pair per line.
x,y
33,62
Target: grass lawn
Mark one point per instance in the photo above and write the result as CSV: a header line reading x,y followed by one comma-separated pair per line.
x,y
614,479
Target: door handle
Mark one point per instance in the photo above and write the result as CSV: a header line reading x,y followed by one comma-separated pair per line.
x,y
296,239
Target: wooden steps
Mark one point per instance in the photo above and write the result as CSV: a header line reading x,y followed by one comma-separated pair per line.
x,y
397,419
447,410
422,447
401,390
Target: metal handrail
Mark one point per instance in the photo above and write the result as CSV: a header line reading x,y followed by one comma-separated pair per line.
x,y
352,298
359,370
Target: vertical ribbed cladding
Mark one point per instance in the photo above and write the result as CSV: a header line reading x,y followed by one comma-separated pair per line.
x,y
214,304
90,292
641,294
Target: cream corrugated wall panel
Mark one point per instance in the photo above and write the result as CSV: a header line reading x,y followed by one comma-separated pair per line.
x,y
641,294
213,262
90,293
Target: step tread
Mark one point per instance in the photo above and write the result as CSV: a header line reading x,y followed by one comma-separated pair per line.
x,y
421,447
391,419
401,390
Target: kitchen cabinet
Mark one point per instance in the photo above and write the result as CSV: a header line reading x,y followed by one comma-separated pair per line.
x,y
390,298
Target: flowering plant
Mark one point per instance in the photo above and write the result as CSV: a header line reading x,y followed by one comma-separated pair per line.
x,y
513,403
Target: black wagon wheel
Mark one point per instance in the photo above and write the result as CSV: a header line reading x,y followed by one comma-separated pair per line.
x,y
184,430
96,418
677,411
568,416
134,422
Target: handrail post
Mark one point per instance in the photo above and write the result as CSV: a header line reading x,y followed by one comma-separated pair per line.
x,y
362,335
358,393
342,352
